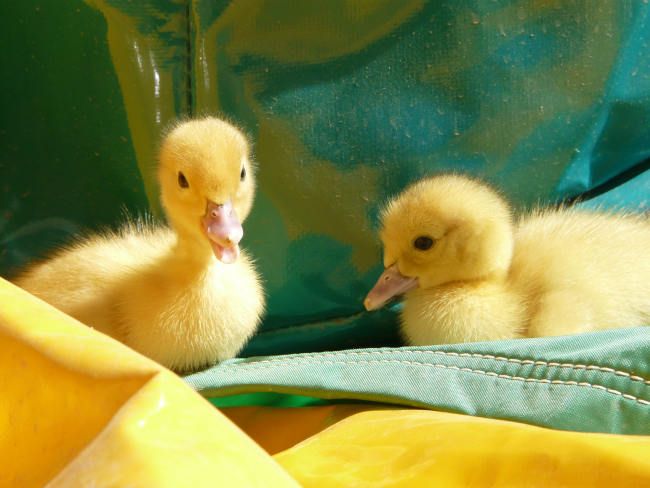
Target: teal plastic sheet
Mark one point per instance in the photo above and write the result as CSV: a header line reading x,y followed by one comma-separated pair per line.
x,y
346,101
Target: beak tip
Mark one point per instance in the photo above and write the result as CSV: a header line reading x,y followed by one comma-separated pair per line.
x,y
390,284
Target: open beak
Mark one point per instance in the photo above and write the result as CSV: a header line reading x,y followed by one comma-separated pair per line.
x,y
224,230
391,283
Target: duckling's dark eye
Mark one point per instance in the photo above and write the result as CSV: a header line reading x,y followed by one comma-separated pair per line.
x,y
242,175
182,181
423,243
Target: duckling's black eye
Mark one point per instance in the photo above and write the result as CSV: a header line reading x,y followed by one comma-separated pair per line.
x,y
423,243
182,181
242,175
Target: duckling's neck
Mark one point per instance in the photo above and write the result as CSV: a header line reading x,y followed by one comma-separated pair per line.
x,y
497,277
194,255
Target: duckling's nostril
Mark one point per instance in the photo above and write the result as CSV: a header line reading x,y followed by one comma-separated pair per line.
x,y
215,209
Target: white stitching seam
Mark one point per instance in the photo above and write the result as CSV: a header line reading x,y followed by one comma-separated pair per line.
x,y
588,367
626,396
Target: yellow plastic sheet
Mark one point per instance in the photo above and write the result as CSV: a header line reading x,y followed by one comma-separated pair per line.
x,y
412,448
296,424
79,409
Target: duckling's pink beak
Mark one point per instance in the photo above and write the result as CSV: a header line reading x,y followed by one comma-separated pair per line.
x,y
224,230
391,283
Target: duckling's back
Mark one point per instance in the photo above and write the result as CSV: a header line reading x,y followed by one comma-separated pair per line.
x,y
583,271
79,279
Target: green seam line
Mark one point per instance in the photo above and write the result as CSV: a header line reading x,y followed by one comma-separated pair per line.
x,y
286,360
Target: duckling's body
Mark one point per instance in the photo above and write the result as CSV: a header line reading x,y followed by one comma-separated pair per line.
x,y
163,291
463,312
582,271
485,278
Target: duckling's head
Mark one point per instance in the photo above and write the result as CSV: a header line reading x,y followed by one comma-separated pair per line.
x,y
440,230
207,184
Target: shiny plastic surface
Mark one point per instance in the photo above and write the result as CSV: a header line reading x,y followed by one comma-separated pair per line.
x,y
415,448
349,102
80,409
346,101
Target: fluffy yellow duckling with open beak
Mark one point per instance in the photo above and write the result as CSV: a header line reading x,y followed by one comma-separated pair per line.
x,y
184,295
469,273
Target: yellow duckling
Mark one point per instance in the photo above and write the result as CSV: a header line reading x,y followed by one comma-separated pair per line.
x,y
185,296
469,273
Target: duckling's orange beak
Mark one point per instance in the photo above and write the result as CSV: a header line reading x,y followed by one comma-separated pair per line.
x,y
224,230
391,283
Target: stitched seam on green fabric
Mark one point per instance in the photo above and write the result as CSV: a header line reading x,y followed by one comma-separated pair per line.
x,y
588,367
626,396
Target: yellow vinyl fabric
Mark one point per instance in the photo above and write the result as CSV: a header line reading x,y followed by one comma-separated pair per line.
x,y
413,448
79,409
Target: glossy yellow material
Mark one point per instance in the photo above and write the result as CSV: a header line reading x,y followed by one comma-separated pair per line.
x,y
80,409
413,448
297,424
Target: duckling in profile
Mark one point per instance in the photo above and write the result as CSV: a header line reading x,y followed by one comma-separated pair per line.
x,y
470,273
184,295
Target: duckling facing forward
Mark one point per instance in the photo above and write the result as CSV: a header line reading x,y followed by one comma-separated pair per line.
x,y
470,274
185,296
